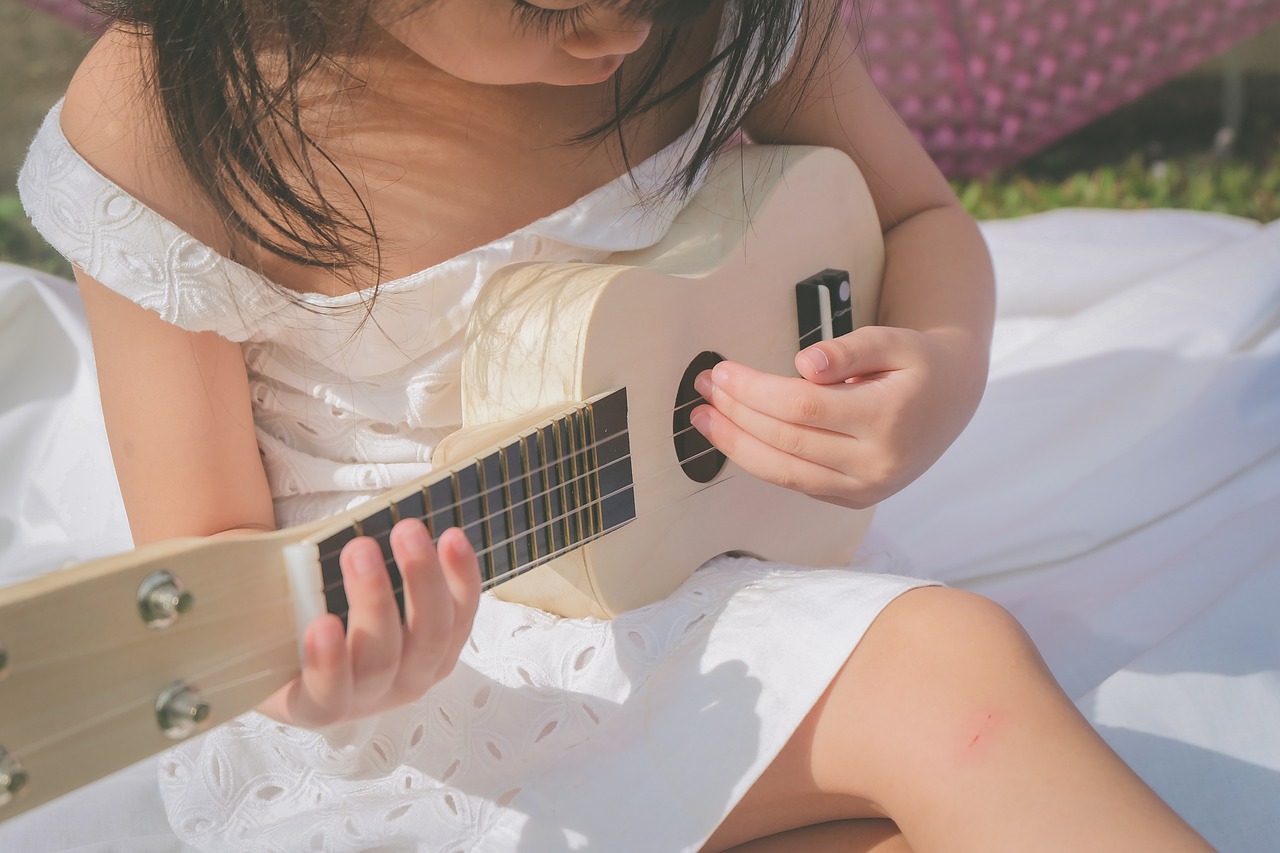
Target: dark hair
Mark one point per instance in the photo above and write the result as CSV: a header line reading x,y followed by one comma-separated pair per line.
x,y
231,118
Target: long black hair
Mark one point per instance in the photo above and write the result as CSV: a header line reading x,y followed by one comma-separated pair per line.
x,y
238,129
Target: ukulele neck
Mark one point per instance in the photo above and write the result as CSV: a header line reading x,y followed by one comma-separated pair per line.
x,y
538,495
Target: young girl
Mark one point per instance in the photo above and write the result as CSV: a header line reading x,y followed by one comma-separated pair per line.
x,y
280,213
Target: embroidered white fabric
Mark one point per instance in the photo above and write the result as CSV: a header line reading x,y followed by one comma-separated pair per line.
x,y
640,733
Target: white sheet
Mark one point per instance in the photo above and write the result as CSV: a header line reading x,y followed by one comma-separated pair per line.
x,y
1119,490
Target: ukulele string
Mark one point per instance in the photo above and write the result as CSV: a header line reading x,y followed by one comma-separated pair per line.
x,y
289,638
548,524
274,641
497,490
214,609
271,642
503,545
500,489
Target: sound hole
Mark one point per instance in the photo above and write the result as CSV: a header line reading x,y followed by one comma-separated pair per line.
x,y
700,461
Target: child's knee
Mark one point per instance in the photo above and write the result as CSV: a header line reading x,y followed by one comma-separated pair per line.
x,y
954,628
937,657
938,676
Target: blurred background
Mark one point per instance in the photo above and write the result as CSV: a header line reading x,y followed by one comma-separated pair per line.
x,y
1027,105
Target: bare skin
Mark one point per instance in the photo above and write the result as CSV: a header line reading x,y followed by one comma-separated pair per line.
x,y
943,731
838,836
946,721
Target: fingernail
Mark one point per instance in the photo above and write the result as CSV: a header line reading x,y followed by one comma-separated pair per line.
x,y
364,566
366,560
816,359
704,386
416,538
702,421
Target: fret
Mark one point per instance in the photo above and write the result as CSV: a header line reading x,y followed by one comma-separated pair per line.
x,y
471,511
573,478
581,486
569,480
497,525
540,493
613,458
522,547
590,472
442,504
414,506
378,526
557,511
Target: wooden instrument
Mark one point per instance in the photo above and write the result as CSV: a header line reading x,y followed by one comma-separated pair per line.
x,y
577,476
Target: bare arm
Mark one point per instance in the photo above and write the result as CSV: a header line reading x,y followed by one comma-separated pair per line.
x,y
938,274
877,407
180,423
176,403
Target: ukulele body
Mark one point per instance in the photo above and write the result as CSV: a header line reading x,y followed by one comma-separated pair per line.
x,y
721,282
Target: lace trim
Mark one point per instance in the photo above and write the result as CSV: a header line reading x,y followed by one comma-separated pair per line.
x,y
132,249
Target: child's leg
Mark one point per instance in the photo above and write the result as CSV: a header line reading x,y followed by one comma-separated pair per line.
x,y
842,836
946,720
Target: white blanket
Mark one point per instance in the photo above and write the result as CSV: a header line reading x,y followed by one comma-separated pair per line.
x,y
1118,490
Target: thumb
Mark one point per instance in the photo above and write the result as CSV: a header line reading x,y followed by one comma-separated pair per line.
x,y
862,352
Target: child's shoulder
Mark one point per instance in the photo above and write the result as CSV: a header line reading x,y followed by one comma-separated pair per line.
x,y
110,116
113,119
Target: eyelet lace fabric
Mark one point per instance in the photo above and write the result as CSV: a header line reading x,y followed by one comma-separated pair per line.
x,y
638,733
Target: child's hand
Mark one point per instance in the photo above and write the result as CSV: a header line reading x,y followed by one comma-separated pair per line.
x,y
883,407
380,664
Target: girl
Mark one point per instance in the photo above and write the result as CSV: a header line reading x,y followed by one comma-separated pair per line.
x,y
280,213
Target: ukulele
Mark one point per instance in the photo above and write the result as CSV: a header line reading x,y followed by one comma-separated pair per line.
x,y
576,476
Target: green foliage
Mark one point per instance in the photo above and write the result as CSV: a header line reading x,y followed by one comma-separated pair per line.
x,y
1197,182
21,244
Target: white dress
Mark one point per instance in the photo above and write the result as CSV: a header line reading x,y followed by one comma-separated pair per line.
x,y
639,733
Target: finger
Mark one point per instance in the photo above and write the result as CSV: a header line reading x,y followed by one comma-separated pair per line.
x,y
835,450
729,386
373,620
428,609
462,574
321,694
867,351
772,465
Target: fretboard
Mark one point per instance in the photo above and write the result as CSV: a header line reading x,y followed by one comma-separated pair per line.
x,y
540,495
